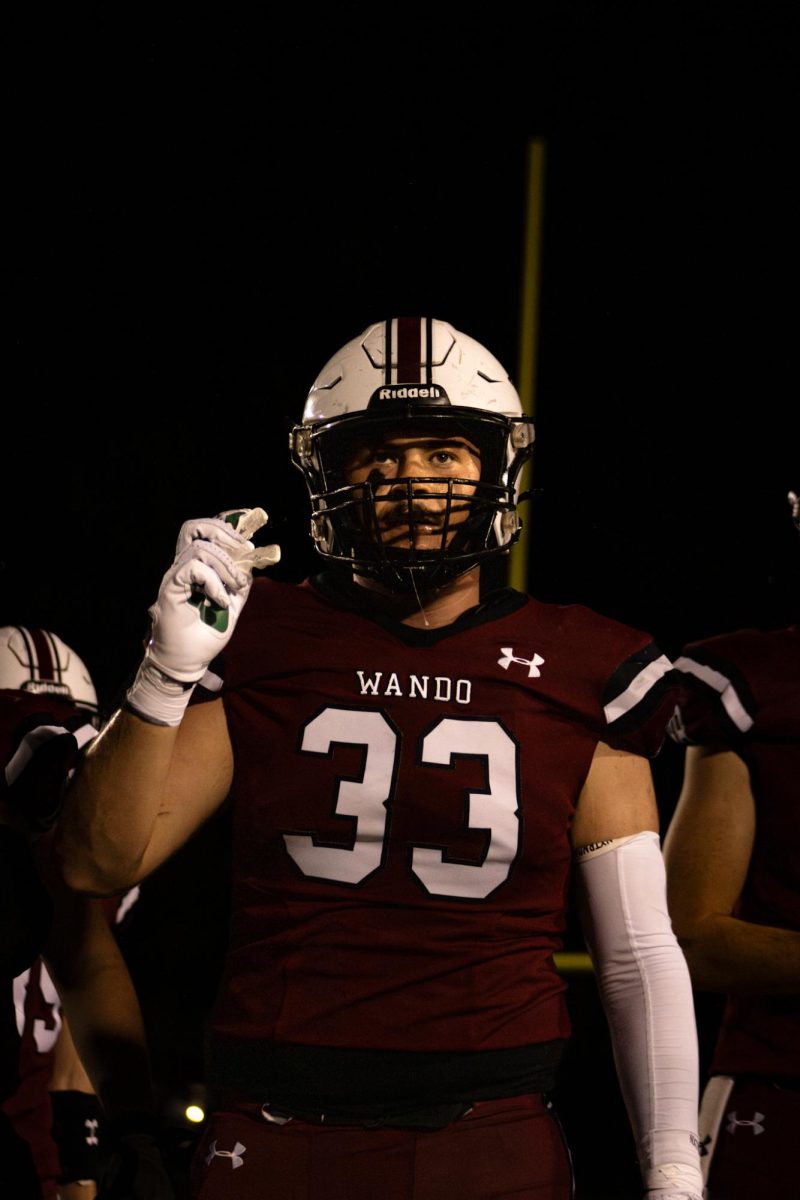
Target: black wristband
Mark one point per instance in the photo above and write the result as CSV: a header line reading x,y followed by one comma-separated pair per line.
x,y
77,1125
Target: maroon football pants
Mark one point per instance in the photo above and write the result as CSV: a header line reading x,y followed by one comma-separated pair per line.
x,y
501,1149
756,1149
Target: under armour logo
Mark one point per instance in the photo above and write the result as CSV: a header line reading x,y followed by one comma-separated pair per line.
x,y
757,1127
90,1124
532,664
235,1155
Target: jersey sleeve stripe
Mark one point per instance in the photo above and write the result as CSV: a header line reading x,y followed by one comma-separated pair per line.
x,y
637,689
728,695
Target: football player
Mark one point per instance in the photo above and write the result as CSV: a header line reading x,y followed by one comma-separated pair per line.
x,y
416,771
57,1137
734,888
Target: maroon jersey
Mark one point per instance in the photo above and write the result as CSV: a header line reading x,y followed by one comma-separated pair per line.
x,y
30,1009
27,1068
743,691
402,803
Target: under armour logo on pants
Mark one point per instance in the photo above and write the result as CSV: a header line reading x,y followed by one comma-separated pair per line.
x,y
734,1123
235,1155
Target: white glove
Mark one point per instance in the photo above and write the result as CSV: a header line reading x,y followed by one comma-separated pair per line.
x,y
198,605
203,592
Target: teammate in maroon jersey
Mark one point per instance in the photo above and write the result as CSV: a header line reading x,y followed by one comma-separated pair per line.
x,y
734,887
55,1138
417,772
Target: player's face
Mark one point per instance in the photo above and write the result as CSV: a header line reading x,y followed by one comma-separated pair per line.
x,y
436,459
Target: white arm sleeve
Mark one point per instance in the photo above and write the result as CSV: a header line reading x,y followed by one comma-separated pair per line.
x,y
646,993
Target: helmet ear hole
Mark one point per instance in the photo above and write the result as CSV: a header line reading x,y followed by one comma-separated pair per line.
x,y
322,533
510,524
404,375
794,504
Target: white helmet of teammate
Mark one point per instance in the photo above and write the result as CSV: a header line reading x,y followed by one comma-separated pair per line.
x,y
418,373
38,662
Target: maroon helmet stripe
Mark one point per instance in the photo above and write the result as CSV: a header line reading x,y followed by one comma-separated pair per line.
x,y
428,351
387,341
409,346
43,657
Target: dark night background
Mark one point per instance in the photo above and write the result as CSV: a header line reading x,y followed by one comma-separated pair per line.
x,y
204,208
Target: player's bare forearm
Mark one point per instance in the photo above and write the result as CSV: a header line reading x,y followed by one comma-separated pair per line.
x,y
141,791
100,1004
107,1026
729,955
111,807
708,851
68,1073
102,1009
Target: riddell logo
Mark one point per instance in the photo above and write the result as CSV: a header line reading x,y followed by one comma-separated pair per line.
x,y
48,687
408,391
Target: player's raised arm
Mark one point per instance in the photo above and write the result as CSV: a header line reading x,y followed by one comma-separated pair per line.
x,y
157,771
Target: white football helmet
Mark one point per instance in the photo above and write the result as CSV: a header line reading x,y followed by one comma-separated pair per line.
x,y
420,373
38,662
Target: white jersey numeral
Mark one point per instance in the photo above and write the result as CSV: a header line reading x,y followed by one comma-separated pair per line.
x,y
496,809
365,798
45,1035
365,801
